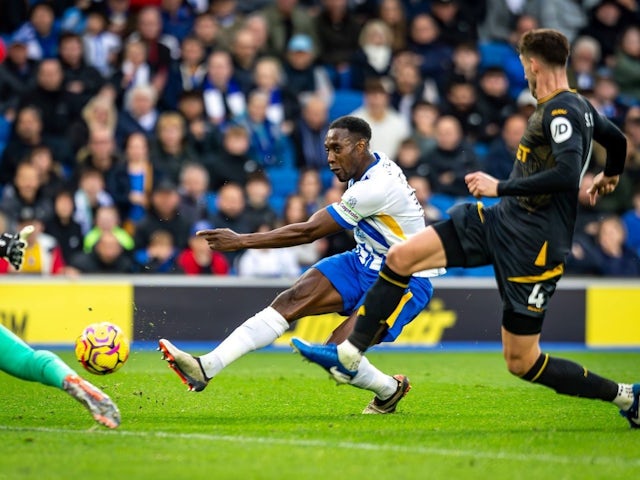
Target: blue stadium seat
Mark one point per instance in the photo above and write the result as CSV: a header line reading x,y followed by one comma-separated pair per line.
x,y
284,180
345,102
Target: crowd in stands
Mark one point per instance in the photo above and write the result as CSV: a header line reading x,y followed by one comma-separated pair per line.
x,y
128,125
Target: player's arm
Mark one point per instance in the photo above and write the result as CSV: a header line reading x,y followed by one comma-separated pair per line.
x,y
319,225
564,132
13,246
615,143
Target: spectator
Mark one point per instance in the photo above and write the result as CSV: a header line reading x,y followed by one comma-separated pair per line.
x,y
494,102
626,70
135,178
268,262
383,119
233,163
177,18
24,196
431,53
41,32
302,75
393,14
230,213
372,60
410,159
140,113
118,16
607,256
605,97
422,190
50,174
89,196
161,48
338,32
456,23
223,96
310,189
63,227
451,160
99,113
163,214
193,190
27,134
409,87
257,210
186,74
465,64
159,256
170,148
202,134
107,257
107,220
206,29
43,255
606,20
55,102
423,122
309,133
283,104
503,149
244,54
229,19
462,103
81,80
269,145
257,25
583,63
101,47
17,76
133,71
285,19
198,259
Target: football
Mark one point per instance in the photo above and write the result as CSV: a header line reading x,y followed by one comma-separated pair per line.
x,y
102,348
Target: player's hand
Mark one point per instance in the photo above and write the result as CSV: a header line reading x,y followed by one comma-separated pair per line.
x,y
221,239
481,184
602,185
13,246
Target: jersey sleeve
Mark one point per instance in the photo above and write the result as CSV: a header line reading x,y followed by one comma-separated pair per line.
x,y
613,140
564,129
363,199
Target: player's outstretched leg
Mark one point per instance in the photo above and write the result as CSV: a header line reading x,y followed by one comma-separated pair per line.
x,y
188,367
327,357
631,414
101,407
378,406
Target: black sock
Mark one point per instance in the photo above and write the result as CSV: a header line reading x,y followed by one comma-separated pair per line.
x,y
381,300
569,378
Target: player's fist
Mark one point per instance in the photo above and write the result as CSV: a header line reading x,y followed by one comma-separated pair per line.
x,y
13,246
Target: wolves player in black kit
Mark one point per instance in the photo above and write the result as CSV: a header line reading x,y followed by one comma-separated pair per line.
x,y
526,236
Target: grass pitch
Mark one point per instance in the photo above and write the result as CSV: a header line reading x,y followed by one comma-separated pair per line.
x,y
272,416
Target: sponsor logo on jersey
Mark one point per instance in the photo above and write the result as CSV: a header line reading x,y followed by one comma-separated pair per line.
x,y
561,129
558,111
344,208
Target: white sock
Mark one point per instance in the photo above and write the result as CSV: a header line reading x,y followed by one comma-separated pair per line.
x,y
259,331
624,399
349,355
370,378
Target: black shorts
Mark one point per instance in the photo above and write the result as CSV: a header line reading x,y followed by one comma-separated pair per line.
x,y
472,237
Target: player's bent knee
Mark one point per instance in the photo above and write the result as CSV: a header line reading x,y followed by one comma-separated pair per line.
x,y
398,260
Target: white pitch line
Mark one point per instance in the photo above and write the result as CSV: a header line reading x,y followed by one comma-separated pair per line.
x,y
414,449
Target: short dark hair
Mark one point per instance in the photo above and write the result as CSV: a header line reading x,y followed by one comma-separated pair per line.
x,y
355,125
549,45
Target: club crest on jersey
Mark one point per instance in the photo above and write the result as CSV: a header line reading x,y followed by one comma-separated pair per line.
x,y
561,129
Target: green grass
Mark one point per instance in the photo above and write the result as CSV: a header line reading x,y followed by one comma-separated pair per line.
x,y
272,416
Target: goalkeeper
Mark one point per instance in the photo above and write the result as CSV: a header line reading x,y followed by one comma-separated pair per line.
x,y
20,360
